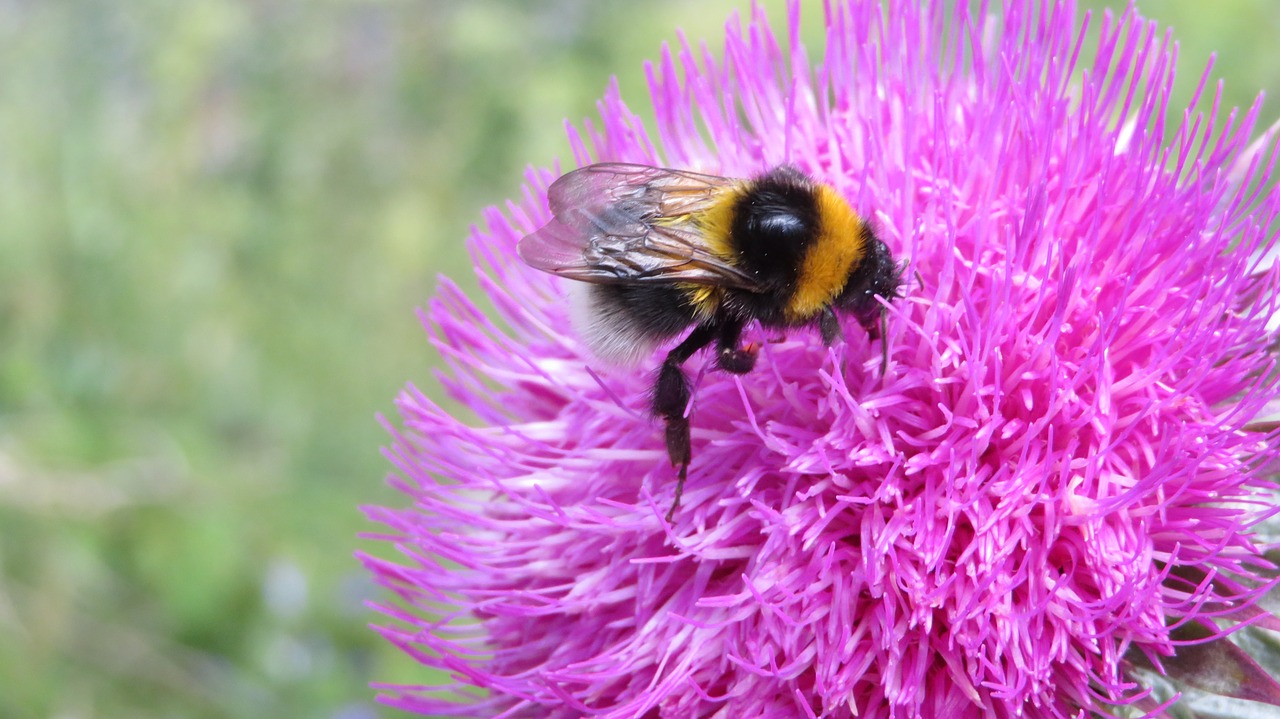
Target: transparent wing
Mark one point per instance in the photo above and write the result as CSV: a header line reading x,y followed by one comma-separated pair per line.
x,y
616,223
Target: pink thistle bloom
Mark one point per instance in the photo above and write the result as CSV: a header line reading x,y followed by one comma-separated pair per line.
x,y
1053,490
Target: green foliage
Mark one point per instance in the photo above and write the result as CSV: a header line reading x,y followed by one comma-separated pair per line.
x,y
217,218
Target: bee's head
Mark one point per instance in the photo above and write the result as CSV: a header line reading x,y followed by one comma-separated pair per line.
x,y
876,276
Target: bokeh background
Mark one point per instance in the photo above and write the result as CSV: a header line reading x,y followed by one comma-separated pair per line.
x,y
216,220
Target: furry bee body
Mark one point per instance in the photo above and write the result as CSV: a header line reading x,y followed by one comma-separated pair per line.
x,y
664,250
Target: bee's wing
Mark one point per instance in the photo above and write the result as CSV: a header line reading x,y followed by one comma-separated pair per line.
x,y
616,223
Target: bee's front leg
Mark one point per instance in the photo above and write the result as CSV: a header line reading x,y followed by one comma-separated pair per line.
x,y
829,326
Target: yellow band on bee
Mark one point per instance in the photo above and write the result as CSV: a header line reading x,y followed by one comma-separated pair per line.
x,y
837,250
716,223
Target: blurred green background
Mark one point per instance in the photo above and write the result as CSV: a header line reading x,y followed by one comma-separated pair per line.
x,y
216,220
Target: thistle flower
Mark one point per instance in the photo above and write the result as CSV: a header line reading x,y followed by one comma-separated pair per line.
x,y
1052,490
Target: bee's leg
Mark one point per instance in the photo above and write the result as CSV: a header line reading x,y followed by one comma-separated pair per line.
x,y
876,323
671,397
731,357
829,325
873,322
884,342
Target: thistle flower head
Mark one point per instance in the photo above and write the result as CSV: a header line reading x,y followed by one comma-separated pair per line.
x,y
1055,479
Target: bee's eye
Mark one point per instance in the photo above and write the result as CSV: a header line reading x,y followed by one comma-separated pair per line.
x,y
876,275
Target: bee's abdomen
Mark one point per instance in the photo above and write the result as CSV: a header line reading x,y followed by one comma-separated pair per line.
x,y
623,323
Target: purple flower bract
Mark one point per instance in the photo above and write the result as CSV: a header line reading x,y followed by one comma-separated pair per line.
x,y
1059,467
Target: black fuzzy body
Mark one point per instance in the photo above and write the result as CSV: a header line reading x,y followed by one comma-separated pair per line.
x,y
775,222
777,236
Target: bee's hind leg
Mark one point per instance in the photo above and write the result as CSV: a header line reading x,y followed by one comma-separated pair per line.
x,y
671,397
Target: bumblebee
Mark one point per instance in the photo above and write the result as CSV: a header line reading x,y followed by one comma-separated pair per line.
x,y
662,250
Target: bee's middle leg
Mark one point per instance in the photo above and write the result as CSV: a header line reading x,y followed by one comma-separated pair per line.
x,y
729,355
